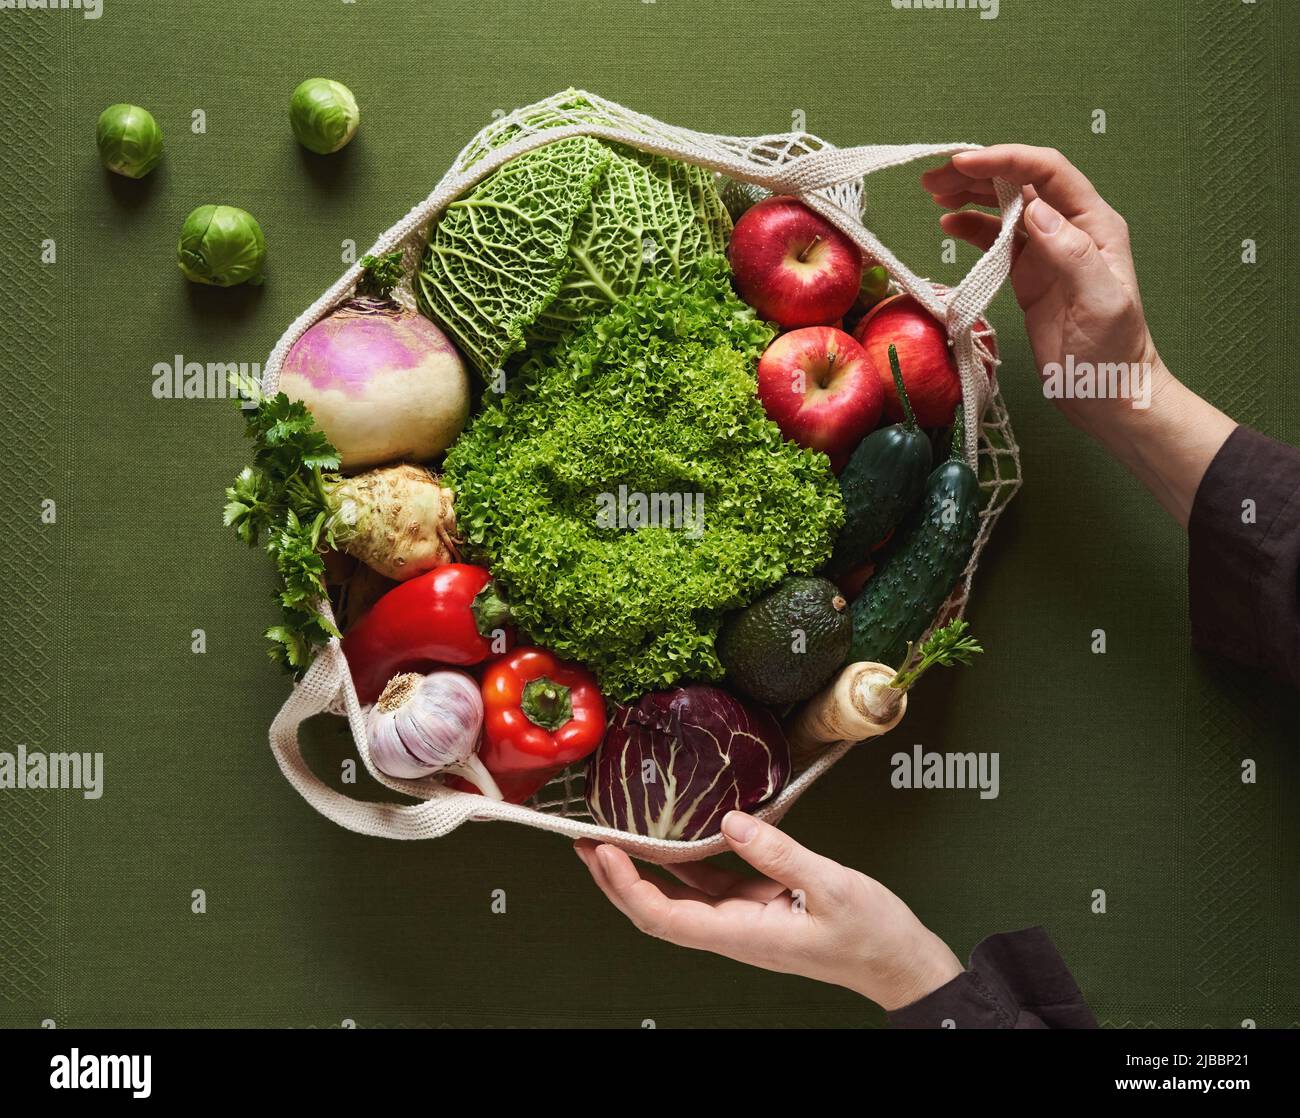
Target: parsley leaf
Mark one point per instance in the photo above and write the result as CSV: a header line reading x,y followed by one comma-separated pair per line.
x,y
283,502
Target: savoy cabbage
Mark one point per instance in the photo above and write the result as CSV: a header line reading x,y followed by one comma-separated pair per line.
x,y
555,236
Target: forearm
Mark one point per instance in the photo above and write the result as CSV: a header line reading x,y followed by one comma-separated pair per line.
x,y
1167,446
925,968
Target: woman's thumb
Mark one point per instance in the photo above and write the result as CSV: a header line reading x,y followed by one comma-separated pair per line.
x,y
775,854
1067,248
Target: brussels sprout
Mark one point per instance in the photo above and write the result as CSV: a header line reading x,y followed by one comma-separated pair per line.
x,y
130,141
324,115
221,245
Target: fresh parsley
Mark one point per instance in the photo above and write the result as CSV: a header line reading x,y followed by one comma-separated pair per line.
x,y
282,501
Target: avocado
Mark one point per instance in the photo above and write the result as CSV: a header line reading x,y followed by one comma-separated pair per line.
x,y
786,646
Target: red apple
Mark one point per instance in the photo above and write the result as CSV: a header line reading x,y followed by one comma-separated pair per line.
x,y
792,265
820,387
925,356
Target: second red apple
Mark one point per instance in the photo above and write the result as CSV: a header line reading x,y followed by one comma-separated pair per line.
x,y
820,387
792,265
924,354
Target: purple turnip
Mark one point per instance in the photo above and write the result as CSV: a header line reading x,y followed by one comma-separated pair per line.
x,y
383,383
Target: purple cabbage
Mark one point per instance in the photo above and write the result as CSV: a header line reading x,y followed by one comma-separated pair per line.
x,y
675,762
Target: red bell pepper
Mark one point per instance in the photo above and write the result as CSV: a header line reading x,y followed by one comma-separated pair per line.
x,y
449,615
539,715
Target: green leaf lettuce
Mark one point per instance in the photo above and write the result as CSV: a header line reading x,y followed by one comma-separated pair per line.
x,y
658,396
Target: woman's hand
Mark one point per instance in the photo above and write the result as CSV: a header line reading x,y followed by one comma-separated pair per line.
x,y
1075,281
807,915
1073,274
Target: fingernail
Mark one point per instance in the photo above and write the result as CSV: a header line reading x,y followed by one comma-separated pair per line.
x,y
738,826
1045,219
582,854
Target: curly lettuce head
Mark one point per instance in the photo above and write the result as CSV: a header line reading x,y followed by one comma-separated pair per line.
x,y
551,239
651,407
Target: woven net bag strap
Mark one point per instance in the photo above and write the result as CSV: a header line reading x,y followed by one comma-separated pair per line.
x,y
317,692
812,177
960,308
327,686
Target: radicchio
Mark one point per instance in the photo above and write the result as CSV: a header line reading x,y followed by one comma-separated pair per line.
x,y
675,762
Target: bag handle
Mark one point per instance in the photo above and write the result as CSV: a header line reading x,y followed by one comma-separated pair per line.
x,y
326,680
813,177
960,308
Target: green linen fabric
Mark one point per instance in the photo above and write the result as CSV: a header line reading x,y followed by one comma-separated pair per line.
x,y
1120,772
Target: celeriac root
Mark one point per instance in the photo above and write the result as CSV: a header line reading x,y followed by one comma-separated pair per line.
x,y
860,704
397,520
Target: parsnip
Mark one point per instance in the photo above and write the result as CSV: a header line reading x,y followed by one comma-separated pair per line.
x,y
860,704
869,699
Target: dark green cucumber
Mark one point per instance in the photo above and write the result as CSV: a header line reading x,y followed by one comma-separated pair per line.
x,y
901,599
882,481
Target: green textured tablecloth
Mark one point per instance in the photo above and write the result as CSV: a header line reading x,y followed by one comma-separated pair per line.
x,y
1119,772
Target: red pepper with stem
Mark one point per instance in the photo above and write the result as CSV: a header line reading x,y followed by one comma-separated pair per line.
x,y
540,714
450,615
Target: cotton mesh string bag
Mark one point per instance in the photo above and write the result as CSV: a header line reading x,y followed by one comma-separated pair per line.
x,y
830,181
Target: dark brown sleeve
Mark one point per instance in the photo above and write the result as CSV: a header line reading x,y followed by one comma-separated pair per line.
x,y
1016,980
1243,567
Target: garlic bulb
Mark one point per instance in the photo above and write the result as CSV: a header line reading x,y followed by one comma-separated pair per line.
x,y
426,724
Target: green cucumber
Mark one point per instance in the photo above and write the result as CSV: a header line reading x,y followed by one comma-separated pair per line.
x,y
883,480
901,599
